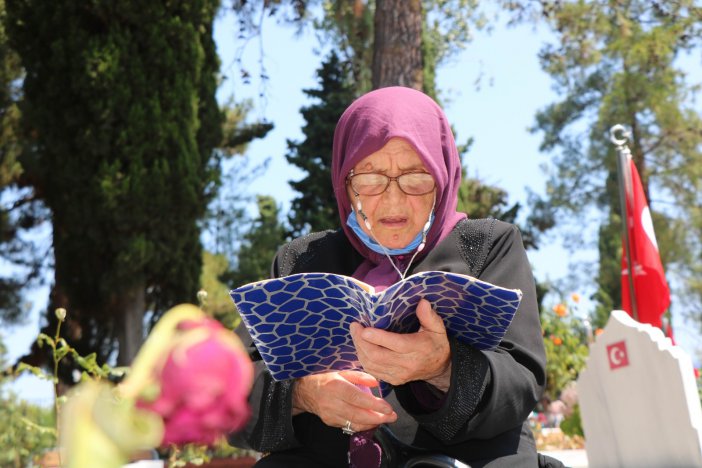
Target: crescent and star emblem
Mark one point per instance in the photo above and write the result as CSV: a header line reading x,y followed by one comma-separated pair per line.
x,y
617,355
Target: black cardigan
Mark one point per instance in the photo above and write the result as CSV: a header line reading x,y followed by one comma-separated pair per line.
x,y
483,418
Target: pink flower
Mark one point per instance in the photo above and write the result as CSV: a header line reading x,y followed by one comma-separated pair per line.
x,y
204,384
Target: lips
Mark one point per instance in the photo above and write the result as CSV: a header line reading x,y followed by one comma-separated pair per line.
x,y
393,221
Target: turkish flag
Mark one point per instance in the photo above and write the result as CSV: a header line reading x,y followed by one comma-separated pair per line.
x,y
650,287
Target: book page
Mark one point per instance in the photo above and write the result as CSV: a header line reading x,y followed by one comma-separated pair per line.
x,y
474,311
300,323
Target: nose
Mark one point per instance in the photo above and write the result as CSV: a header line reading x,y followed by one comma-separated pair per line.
x,y
393,192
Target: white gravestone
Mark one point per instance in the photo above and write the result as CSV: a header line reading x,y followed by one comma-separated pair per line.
x,y
638,399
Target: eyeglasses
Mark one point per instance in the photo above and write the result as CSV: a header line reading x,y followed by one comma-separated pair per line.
x,y
374,183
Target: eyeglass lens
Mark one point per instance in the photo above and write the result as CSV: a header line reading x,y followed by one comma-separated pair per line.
x,y
411,183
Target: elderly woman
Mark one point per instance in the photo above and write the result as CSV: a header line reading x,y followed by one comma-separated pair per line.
x,y
396,174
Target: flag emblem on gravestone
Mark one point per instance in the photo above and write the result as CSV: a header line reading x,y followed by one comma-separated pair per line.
x,y
617,355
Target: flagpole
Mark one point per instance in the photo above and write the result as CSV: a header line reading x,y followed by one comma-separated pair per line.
x,y
623,154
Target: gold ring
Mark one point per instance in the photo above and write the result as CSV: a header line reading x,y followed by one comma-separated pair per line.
x,y
347,428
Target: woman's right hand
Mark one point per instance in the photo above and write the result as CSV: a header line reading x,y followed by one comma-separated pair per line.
x,y
336,398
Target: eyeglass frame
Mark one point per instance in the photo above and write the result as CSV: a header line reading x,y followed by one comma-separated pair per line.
x,y
390,179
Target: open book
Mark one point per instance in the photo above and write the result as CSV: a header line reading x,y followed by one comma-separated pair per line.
x,y
300,323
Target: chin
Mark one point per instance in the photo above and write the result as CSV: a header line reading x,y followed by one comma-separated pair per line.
x,y
394,244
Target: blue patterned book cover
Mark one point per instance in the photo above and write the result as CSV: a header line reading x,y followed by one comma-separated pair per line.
x,y
300,323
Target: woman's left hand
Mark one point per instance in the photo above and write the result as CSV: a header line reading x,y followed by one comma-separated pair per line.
x,y
400,358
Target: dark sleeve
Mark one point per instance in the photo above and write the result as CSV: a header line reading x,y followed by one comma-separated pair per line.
x,y
492,391
270,426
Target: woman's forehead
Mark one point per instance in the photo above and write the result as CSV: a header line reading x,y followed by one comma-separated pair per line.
x,y
396,151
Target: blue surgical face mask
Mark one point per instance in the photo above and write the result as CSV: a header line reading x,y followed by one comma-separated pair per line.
x,y
352,222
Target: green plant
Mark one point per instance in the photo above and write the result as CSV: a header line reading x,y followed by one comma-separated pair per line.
x,y
566,340
31,430
27,429
572,425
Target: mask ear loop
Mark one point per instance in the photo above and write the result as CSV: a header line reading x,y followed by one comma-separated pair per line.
x,y
426,227
421,245
359,208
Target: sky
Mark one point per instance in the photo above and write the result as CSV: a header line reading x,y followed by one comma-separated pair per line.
x,y
496,114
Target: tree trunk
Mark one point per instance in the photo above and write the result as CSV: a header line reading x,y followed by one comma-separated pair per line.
x,y
397,50
130,324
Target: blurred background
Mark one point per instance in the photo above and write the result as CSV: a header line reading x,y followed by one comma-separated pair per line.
x,y
151,150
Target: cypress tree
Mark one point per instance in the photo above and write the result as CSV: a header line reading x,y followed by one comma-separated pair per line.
x,y
119,97
21,212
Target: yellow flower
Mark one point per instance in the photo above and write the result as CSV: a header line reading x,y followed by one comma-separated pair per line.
x,y
560,310
575,297
99,428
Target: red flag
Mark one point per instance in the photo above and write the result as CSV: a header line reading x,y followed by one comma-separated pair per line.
x,y
650,286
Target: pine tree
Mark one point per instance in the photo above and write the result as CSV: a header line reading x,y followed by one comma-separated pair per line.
x,y
617,63
313,209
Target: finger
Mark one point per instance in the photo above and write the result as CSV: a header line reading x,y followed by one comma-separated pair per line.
x,y
355,327
363,420
373,356
429,320
359,378
361,346
355,330
384,339
335,398
361,397
365,417
363,337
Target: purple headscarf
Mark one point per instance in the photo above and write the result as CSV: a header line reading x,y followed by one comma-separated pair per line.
x,y
364,128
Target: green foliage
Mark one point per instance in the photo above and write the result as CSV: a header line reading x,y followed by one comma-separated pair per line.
x,y
314,209
620,63
348,26
120,101
448,27
19,213
190,455
26,431
27,428
608,295
10,75
217,303
60,349
572,425
236,133
479,200
260,246
30,430
566,339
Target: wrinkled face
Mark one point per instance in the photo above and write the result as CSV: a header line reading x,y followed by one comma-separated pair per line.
x,y
395,217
